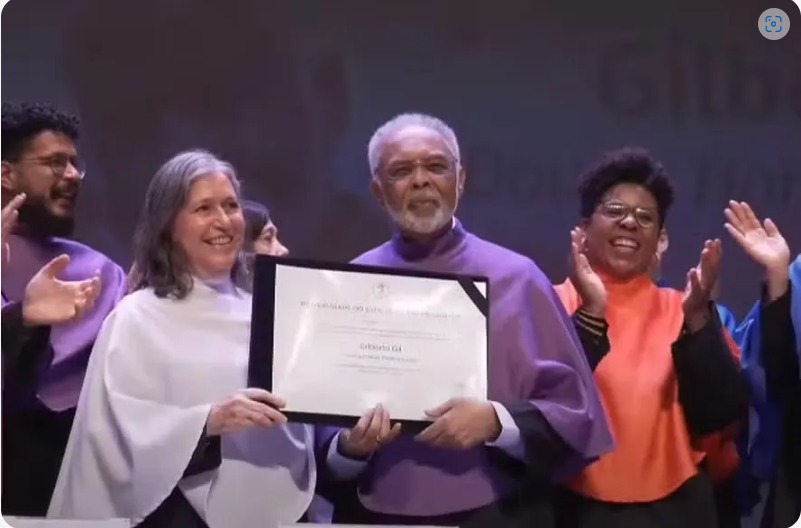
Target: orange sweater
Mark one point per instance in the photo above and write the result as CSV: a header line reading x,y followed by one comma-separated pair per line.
x,y
655,454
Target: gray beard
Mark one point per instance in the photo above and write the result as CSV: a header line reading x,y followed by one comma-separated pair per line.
x,y
410,222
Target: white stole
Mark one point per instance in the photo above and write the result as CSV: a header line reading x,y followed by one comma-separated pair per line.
x,y
156,368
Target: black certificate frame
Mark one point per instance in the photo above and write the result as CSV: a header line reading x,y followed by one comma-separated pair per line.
x,y
262,326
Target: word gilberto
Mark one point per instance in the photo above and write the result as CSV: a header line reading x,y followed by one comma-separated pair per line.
x,y
358,308
386,354
376,347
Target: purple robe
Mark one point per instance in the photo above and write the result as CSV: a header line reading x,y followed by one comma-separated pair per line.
x,y
535,356
61,378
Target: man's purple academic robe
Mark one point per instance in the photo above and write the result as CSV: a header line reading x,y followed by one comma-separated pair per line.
x,y
537,371
41,386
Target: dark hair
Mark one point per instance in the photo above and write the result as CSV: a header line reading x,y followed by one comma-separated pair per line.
x,y
24,121
158,263
256,217
625,165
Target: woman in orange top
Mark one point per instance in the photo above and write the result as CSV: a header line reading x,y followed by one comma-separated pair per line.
x,y
670,380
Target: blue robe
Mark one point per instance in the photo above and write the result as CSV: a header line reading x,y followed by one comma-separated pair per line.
x,y
761,448
795,302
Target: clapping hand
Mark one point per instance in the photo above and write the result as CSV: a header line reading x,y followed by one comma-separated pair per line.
x,y
763,243
49,300
588,284
700,284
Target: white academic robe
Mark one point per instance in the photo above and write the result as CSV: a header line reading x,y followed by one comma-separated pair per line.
x,y
156,368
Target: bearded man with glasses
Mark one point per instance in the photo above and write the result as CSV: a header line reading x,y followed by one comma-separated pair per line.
x,y
40,393
481,463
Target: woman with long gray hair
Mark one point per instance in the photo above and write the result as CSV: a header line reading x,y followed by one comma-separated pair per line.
x,y
166,431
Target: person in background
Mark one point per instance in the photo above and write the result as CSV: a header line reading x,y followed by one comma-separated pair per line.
x,y
770,337
670,382
261,237
479,463
40,161
167,433
662,245
261,233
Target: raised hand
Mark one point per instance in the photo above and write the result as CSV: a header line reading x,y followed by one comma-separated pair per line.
x,y
761,241
10,213
49,300
248,408
588,284
700,284
370,433
9,220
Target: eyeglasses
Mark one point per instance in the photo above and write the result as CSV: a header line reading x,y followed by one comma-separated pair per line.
x,y
436,166
617,212
59,164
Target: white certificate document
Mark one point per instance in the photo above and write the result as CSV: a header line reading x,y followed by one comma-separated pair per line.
x,y
345,341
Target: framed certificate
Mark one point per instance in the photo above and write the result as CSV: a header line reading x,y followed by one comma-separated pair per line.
x,y
335,340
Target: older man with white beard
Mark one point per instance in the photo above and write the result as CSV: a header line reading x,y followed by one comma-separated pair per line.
x,y
480,463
